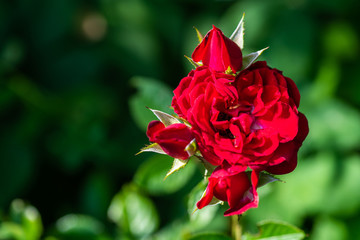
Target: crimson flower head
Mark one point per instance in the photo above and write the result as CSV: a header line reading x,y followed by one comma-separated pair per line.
x,y
173,139
218,52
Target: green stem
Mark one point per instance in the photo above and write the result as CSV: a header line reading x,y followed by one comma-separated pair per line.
x,y
236,227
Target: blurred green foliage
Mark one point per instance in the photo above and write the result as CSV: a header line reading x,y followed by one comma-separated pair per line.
x,y
75,77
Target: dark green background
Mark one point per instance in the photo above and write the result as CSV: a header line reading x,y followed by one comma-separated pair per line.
x,y
76,75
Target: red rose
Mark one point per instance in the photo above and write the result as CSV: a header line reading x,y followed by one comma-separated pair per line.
x,y
218,52
195,98
250,121
232,185
173,139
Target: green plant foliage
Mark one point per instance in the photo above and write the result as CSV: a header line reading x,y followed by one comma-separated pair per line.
x,y
73,114
77,226
209,236
133,212
327,228
276,230
152,179
10,230
151,93
25,222
200,218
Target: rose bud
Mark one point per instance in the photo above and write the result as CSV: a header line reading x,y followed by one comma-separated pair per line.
x,y
173,139
218,52
232,185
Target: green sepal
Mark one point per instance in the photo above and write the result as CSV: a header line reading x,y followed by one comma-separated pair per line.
x,y
264,178
177,165
238,35
165,118
198,193
199,35
191,148
250,58
154,147
195,64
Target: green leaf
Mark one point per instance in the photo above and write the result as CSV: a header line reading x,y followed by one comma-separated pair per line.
x,y
238,35
194,196
28,218
133,212
276,230
151,93
150,175
210,236
10,230
327,228
78,225
202,217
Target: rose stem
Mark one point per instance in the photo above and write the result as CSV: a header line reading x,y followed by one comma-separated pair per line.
x,y
236,227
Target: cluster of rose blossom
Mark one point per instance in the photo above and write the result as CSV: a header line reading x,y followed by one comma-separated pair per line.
x,y
237,115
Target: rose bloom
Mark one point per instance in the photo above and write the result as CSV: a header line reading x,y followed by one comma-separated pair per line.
x,y
173,139
232,185
251,120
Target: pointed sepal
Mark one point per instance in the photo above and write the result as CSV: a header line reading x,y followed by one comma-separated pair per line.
x,y
191,148
199,35
196,194
165,118
195,64
265,178
177,165
251,58
238,35
154,147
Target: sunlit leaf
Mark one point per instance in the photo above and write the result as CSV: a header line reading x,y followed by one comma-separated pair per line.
x,y
278,230
150,175
333,125
79,225
10,230
133,212
28,218
327,228
150,93
202,217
